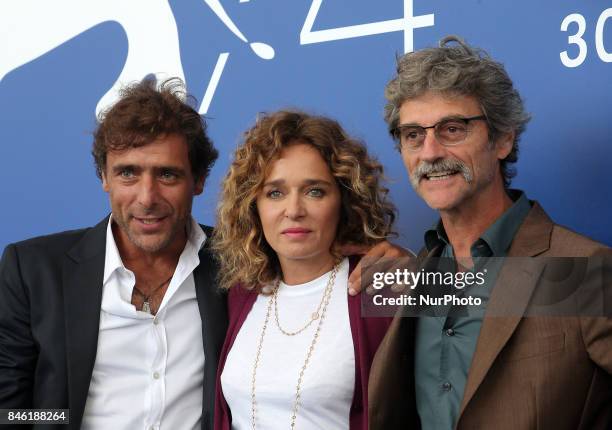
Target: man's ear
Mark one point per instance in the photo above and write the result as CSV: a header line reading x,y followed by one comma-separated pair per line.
x,y
504,145
105,185
199,186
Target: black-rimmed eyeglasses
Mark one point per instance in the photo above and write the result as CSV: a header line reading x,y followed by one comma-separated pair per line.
x,y
448,132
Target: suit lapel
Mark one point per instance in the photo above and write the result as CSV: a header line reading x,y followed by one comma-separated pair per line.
x,y
83,272
514,287
211,302
391,391
509,299
213,311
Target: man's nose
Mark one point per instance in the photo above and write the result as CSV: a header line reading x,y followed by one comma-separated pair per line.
x,y
148,192
432,149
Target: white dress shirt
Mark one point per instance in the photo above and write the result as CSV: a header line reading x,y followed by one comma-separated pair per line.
x,y
149,370
329,380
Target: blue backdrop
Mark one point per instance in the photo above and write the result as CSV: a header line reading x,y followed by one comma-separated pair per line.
x,y
58,61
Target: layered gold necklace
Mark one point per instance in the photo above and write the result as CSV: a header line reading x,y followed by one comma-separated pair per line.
x,y
318,315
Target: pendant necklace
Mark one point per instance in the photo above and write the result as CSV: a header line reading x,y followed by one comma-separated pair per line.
x,y
146,304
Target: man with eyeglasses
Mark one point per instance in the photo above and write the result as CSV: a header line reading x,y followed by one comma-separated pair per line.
x,y
457,120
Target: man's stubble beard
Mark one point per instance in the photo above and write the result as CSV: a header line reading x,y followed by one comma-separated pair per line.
x,y
165,241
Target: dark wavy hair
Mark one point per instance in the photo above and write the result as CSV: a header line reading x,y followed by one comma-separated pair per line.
x,y
460,69
143,113
366,215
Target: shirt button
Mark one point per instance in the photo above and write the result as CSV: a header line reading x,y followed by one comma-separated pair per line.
x,y
450,332
447,386
155,375
156,322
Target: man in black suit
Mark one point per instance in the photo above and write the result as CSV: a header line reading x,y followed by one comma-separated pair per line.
x,y
104,321
122,323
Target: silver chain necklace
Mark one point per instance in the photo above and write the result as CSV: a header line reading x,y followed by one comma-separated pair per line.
x,y
318,315
146,304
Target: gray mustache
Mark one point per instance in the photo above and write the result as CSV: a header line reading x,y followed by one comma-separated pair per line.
x,y
442,165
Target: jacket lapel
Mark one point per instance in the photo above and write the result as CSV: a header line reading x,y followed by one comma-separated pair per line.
x,y
213,311
83,272
391,391
514,287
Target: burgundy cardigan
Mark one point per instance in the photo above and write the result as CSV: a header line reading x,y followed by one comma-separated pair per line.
x,y
367,334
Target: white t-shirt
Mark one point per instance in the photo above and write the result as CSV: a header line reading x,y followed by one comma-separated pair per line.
x,y
329,379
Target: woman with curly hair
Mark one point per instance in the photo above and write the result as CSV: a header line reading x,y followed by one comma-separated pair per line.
x,y
297,352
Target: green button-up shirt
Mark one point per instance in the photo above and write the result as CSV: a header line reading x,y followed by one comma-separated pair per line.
x,y
444,346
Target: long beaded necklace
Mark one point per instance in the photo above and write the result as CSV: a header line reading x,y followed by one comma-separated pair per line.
x,y
319,315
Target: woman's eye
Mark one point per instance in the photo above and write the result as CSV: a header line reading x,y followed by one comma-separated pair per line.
x,y
274,194
316,192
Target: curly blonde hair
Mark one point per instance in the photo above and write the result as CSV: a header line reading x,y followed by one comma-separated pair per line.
x,y
366,216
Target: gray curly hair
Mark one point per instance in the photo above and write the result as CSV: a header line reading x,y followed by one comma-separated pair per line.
x,y
460,69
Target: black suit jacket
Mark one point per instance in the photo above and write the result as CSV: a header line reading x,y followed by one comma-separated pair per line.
x,y
50,298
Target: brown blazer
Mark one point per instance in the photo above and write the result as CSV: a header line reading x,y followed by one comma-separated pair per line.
x,y
527,372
